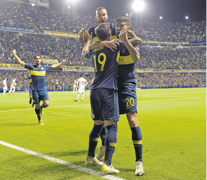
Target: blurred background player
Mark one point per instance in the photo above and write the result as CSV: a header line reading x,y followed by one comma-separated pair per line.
x,y
12,86
27,76
39,89
4,86
81,83
75,86
56,85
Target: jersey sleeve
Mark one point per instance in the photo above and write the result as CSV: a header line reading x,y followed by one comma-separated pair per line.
x,y
29,66
121,45
47,67
88,54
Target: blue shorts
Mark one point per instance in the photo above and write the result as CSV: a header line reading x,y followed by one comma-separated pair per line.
x,y
56,86
39,95
104,104
127,98
30,91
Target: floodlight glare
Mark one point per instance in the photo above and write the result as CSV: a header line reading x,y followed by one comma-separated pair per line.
x,y
160,17
138,5
186,17
127,14
33,4
68,7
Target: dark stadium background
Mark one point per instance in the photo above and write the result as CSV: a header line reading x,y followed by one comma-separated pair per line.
x,y
171,10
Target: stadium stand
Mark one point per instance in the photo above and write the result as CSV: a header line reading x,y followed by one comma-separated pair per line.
x,y
172,54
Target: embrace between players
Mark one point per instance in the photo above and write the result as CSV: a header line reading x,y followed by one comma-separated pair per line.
x,y
113,91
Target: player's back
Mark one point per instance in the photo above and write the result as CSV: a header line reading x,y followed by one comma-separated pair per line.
x,y
81,82
106,68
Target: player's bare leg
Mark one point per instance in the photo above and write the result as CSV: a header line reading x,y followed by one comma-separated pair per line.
x,y
38,112
137,141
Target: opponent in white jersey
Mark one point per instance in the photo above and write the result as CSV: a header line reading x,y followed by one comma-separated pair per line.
x,y
12,86
4,86
81,83
74,86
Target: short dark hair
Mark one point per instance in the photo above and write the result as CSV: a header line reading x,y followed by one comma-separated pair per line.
x,y
37,55
100,8
102,31
124,19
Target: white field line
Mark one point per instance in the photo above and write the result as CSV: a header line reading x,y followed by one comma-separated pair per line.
x,y
89,104
71,165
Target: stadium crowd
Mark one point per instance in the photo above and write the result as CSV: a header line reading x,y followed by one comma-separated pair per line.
x,y
144,80
156,57
39,18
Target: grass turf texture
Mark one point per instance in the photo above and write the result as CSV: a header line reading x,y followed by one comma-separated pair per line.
x,y
173,124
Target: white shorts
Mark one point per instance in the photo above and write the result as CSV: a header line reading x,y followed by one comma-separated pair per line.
x,y
5,88
81,90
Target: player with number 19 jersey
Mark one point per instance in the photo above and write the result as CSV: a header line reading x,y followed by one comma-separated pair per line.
x,y
104,93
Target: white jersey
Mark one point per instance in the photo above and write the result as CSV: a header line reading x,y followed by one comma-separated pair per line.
x,y
75,83
82,82
4,83
13,83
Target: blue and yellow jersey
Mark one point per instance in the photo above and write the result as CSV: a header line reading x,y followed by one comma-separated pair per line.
x,y
30,81
126,67
38,76
105,66
113,32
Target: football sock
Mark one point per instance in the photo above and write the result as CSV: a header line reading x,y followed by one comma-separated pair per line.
x,y
82,97
43,106
77,97
103,135
137,141
110,142
93,139
38,113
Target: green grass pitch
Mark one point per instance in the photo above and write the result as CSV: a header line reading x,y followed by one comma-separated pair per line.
x,y
173,124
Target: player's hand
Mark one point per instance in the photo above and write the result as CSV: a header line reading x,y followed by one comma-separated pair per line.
x,y
123,36
111,44
64,61
88,37
82,32
14,51
130,34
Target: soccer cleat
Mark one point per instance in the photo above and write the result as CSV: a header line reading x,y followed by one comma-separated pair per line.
x,y
139,168
109,169
93,161
76,100
101,152
41,122
30,100
41,111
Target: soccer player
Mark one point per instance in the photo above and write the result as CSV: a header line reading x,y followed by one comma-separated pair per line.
x,y
81,83
12,86
30,87
39,89
74,86
127,87
56,85
104,96
4,86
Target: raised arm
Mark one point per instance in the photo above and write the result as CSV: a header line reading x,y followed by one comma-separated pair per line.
x,y
132,51
82,32
17,58
58,64
88,38
134,39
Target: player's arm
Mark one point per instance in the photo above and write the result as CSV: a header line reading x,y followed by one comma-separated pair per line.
x,y
82,32
132,51
25,75
17,58
134,39
109,44
88,38
58,64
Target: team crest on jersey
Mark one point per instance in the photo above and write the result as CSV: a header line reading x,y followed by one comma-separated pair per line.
x,y
123,50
